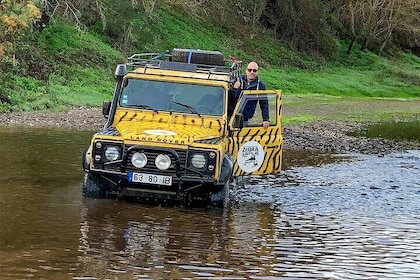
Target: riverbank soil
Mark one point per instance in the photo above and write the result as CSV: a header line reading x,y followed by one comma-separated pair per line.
x,y
310,122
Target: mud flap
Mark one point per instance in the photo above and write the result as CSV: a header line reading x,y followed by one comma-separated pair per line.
x,y
227,169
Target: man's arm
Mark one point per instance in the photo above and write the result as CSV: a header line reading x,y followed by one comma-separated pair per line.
x,y
236,89
234,93
265,108
265,111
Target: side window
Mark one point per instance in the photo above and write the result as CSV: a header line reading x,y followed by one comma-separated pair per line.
x,y
258,108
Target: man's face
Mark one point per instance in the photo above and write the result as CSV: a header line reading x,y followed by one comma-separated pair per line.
x,y
252,71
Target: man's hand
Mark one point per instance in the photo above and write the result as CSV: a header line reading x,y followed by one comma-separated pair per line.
x,y
266,124
237,84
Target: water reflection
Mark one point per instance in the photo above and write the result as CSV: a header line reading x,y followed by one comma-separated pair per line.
x,y
324,217
182,242
293,158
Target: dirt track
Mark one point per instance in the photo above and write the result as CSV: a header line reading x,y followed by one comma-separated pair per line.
x,y
316,135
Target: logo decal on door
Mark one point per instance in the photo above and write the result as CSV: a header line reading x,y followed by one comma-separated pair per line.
x,y
250,156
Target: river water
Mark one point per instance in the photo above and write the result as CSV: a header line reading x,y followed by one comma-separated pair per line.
x,y
324,217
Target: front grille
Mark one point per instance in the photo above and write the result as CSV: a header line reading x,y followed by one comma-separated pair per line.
x,y
152,153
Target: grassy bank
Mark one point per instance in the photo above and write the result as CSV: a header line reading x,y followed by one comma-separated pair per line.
x,y
304,107
66,67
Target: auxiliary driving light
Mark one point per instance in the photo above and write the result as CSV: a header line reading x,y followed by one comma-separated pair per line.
x,y
112,153
139,160
198,160
163,162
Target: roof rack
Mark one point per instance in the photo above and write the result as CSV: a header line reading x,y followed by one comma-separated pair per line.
x,y
168,61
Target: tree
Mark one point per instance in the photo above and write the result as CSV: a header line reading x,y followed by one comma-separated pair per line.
x,y
240,16
400,16
15,18
302,24
379,20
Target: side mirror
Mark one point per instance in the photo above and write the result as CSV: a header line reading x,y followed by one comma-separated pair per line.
x,y
238,121
106,107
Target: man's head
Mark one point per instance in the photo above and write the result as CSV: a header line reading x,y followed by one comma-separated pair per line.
x,y
252,71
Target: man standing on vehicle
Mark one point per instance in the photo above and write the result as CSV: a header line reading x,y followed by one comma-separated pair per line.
x,y
250,81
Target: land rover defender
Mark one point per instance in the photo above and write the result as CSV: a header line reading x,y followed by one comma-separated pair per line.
x,y
168,135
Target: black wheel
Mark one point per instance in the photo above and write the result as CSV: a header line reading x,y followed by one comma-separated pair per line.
x,y
93,186
198,57
220,198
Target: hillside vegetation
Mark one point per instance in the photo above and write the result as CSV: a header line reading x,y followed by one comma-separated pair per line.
x,y
55,54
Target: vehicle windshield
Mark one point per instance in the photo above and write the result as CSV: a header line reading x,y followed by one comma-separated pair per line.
x,y
173,97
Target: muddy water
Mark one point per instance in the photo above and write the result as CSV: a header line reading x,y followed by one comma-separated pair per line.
x,y
325,217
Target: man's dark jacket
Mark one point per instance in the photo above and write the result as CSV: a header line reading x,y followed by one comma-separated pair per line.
x,y
251,104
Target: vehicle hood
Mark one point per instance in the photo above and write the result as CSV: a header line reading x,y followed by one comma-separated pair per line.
x,y
166,133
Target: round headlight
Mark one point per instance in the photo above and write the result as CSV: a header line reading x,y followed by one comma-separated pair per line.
x,y
163,162
139,160
198,160
112,153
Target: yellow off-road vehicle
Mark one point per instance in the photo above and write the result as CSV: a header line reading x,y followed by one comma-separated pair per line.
x,y
168,135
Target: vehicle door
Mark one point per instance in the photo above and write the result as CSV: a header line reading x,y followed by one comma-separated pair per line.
x,y
256,150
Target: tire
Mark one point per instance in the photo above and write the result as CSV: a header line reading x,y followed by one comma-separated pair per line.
x,y
93,187
220,199
85,163
198,57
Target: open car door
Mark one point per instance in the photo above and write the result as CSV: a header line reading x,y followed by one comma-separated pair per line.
x,y
257,150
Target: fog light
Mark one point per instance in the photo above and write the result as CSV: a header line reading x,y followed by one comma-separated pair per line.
x,y
198,160
139,160
211,167
97,157
98,145
163,162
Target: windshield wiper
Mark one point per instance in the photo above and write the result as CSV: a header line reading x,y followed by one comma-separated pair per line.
x,y
191,108
141,106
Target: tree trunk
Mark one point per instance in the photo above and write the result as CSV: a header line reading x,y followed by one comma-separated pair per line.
x,y
364,44
350,48
382,47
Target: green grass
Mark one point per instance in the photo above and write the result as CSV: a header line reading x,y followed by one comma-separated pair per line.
x,y
69,46
171,29
304,108
391,83
27,94
409,130
86,86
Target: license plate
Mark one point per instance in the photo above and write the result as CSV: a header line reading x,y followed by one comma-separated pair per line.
x,y
149,178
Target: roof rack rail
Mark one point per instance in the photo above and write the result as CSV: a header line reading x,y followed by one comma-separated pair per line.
x,y
164,60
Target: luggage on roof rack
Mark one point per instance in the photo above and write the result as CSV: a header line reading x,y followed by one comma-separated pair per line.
x,y
198,57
